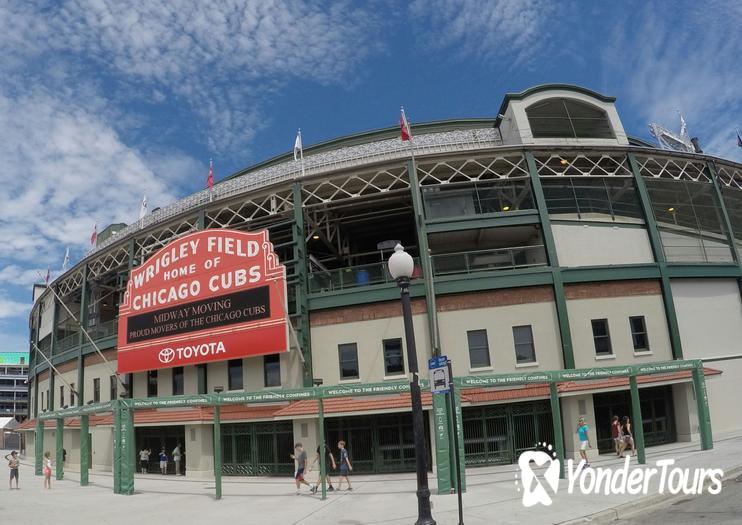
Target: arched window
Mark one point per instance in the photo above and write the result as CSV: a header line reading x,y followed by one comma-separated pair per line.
x,y
564,117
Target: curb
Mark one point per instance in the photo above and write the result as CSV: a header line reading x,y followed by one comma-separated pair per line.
x,y
640,506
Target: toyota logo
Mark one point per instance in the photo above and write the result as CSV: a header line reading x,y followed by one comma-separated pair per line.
x,y
166,355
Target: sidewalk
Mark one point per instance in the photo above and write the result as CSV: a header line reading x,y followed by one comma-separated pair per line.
x,y
491,498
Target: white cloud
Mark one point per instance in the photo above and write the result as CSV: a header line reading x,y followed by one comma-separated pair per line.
x,y
513,30
10,308
687,61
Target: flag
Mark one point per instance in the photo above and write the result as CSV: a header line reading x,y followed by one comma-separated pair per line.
x,y
94,235
210,178
66,260
739,140
298,150
143,207
683,127
48,275
404,127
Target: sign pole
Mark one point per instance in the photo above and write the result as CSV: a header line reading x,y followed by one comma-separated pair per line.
x,y
218,451
60,449
457,459
638,426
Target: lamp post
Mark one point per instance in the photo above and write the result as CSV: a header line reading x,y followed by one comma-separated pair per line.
x,y
401,267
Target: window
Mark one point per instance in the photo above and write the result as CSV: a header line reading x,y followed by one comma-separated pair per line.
x,y
235,374
201,378
178,381
393,357
152,383
61,396
639,333
272,370
96,390
348,358
569,118
601,337
460,200
592,198
479,350
129,384
524,349
114,387
72,394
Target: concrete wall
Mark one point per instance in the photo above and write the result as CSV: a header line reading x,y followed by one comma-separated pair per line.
x,y
592,245
574,407
199,455
710,321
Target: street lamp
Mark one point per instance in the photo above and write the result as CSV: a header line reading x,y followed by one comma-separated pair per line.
x,y
401,267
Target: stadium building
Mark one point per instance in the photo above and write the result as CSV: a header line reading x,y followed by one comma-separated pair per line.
x,y
545,239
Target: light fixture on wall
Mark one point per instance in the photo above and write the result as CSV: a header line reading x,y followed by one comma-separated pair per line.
x,y
315,237
671,209
563,162
506,208
218,389
317,381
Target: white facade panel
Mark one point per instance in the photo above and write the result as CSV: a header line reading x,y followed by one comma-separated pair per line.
x,y
598,245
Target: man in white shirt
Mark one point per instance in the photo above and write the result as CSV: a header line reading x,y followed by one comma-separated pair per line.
x,y
176,458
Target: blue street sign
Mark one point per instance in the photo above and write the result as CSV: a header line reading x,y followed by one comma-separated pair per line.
x,y
439,379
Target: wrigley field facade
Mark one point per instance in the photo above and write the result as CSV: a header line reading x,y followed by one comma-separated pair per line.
x,y
545,240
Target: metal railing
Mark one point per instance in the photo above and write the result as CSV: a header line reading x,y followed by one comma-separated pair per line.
x,y
482,260
353,277
66,343
105,329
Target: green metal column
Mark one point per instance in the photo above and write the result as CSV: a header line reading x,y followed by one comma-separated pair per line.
x,y
117,446
637,427
724,214
460,431
218,451
84,449
60,447
560,301
38,443
556,415
127,448
704,417
52,350
442,442
201,220
322,444
425,261
302,289
84,299
655,240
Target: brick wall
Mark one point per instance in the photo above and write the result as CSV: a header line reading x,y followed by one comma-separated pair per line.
x,y
611,289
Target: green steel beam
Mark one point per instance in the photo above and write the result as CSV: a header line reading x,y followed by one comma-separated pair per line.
x,y
201,220
425,261
462,453
84,323
59,435
637,427
362,295
117,463
127,449
496,280
655,242
85,447
560,300
556,416
702,401
302,288
690,271
38,443
441,433
724,214
322,445
494,220
217,452
610,273
52,386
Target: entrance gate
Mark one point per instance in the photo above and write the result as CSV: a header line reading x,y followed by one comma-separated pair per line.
x,y
258,449
376,444
497,434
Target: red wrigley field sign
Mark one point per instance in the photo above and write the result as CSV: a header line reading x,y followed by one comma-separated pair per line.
x,y
208,296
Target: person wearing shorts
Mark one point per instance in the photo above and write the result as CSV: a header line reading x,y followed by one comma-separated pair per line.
x,y
300,456
144,459
47,470
584,437
13,464
345,466
163,461
616,434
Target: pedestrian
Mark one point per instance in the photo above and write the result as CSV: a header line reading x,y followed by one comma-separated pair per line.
x,y
345,466
176,458
584,437
47,470
163,461
13,464
300,457
64,455
627,438
616,434
329,466
144,459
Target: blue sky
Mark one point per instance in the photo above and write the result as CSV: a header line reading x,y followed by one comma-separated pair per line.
x,y
103,100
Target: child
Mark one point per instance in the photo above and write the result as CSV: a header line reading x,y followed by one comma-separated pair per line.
x,y
300,456
582,434
13,465
345,466
47,470
163,461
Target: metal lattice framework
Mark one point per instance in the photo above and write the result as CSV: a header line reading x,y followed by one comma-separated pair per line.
x,y
728,175
473,169
155,240
568,164
71,282
247,210
356,185
678,168
111,260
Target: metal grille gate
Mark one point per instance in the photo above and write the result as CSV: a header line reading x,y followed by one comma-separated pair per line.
x,y
257,449
497,434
